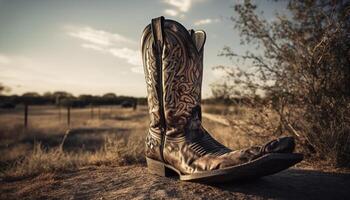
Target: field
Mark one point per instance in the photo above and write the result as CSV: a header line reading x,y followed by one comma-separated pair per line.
x,y
48,143
105,135
100,154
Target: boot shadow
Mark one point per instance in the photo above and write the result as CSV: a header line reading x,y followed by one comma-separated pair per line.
x,y
294,184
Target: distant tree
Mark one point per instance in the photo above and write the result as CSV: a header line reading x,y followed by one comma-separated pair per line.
x,y
62,94
109,96
66,102
3,89
48,94
108,99
85,96
31,94
31,98
89,99
222,92
59,95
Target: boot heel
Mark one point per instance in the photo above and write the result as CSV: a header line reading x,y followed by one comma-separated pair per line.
x,y
158,168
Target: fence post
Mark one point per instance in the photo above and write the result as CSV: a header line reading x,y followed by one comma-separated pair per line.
x,y
99,112
134,106
68,116
25,115
59,113
91,111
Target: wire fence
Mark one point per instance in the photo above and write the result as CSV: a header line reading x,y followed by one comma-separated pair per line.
x,y
34,116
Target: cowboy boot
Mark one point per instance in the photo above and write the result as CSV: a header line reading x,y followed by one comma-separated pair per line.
x,y
176,140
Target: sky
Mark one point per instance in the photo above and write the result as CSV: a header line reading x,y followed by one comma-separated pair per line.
x,y
93,46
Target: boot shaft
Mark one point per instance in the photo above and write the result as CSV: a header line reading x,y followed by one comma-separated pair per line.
x,y
173,62
182,72
152,45
151,55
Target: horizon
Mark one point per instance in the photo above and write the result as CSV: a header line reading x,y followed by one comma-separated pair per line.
x,y
85,47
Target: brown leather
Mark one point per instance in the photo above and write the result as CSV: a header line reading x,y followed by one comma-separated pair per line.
x,y
151,62
173,63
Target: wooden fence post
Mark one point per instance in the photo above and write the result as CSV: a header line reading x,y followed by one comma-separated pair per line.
x,y
134,106
68,116
99,112
91,111
59,113
25,115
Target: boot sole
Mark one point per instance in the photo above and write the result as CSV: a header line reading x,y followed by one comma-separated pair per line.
x,y
263,166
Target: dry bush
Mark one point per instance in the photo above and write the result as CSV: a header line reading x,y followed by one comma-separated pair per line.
x,y
302,69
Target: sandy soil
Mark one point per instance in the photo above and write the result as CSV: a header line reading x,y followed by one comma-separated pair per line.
x,y
133,182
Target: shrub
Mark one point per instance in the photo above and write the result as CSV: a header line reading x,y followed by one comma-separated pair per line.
x,y
303,71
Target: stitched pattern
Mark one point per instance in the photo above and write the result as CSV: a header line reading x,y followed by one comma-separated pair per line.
x,y
208,145
182,72
151,74
151,144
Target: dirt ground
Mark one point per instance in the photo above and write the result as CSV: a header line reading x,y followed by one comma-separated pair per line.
x,y
133,182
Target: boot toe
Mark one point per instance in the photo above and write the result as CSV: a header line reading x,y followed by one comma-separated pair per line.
x,y
280,145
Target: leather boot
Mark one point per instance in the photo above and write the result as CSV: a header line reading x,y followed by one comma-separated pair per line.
x,y
176,140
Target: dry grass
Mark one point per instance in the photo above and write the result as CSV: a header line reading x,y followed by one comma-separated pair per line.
x,y
248,126
225,110
114,139
56,159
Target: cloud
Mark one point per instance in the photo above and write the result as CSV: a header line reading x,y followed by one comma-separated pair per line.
x,y
109,43
181,5
205,21
131,56
4,59
178,7
93,47
171,12
98,37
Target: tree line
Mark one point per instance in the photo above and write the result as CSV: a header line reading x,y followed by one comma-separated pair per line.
x,y
62,98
